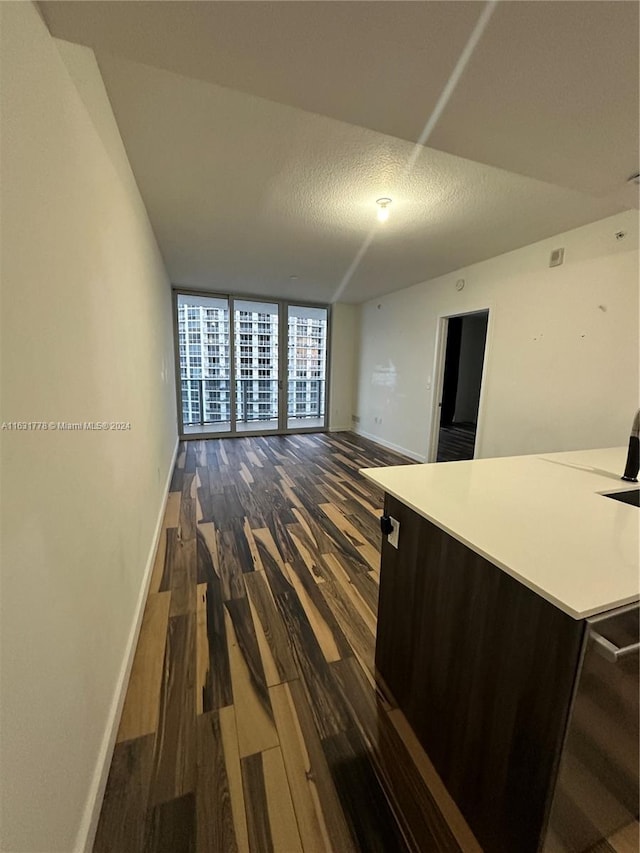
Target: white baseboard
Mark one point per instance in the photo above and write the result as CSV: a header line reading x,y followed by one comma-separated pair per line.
x,y
410,453
89,823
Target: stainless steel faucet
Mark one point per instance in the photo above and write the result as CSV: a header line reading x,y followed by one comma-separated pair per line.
x,y
633,456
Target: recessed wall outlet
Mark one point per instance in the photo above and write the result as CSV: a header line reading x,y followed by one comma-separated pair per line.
x,y
394,536
557,257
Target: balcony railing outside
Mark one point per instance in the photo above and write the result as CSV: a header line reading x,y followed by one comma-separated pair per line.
x,y
208,401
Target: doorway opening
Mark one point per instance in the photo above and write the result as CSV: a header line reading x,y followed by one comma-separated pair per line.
x,y
461,361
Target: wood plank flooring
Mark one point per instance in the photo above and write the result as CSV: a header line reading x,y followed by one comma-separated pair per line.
x,y
252,721
456,442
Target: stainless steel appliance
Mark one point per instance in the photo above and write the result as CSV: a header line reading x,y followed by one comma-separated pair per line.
x,y
595,802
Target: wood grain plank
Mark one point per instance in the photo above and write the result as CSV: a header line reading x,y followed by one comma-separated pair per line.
x,y
371,555
343,524
182,455
157,573
174,754
343,543
271,672
272,627
229,567
214,676
142,702
328,709
323,543
356,630
253,548
243,548
465,839
254,717
282,818
305,549
202,646
229,735
342,579
421,818
363,801
323,633
122,819
255,797
272,561
239,609
300,773
172,510
181,555
207,552
172,826
319,614
214,826
188,507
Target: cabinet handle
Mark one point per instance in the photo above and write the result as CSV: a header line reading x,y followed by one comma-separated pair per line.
x,y
610,651
385,525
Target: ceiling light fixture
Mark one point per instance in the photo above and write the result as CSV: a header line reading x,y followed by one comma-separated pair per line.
x,y
383,208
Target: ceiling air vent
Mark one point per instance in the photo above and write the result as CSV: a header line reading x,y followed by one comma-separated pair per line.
x,y
557,257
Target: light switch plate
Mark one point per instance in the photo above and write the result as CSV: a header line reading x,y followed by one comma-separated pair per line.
x,y
393,537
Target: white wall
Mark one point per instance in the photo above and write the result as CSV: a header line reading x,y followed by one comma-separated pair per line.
x,y
343,370
86,336
561,368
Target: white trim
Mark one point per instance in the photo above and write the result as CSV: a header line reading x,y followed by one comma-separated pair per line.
x,y
88,825
377,440
442,330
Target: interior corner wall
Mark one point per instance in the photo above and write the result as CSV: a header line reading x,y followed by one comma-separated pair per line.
x,y
86,337
561,365
343,366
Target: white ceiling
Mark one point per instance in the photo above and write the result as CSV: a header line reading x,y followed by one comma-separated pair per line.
x,y
261,134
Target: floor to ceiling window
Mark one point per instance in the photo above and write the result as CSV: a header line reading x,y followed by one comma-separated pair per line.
x,y
248,365
257,374
306,366
205,363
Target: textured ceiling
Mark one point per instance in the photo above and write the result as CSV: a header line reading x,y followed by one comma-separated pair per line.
x,y
244,191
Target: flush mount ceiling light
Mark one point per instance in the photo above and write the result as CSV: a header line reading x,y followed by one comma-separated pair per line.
x,y
383,208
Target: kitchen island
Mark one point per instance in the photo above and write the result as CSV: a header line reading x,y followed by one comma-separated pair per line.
x,y
482,618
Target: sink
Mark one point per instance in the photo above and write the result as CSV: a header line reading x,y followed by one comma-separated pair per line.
x,y
631,496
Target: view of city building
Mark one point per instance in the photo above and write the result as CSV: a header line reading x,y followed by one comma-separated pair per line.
x,y
205,363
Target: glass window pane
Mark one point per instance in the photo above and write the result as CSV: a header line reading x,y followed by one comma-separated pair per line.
x,y
256,336
205,363
307,362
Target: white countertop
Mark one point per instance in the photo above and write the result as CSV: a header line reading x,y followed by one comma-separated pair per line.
x,y
541,518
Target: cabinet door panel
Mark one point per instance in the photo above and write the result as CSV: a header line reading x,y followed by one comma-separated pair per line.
x,y
483,668
397,610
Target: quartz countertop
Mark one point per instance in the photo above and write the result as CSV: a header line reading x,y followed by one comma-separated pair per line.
x,y
541,518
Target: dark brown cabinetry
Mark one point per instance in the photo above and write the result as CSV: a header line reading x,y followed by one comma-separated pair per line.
x,y
483,669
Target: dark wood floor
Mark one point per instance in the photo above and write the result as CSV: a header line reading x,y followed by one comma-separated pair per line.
x,y
456,442
252,721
